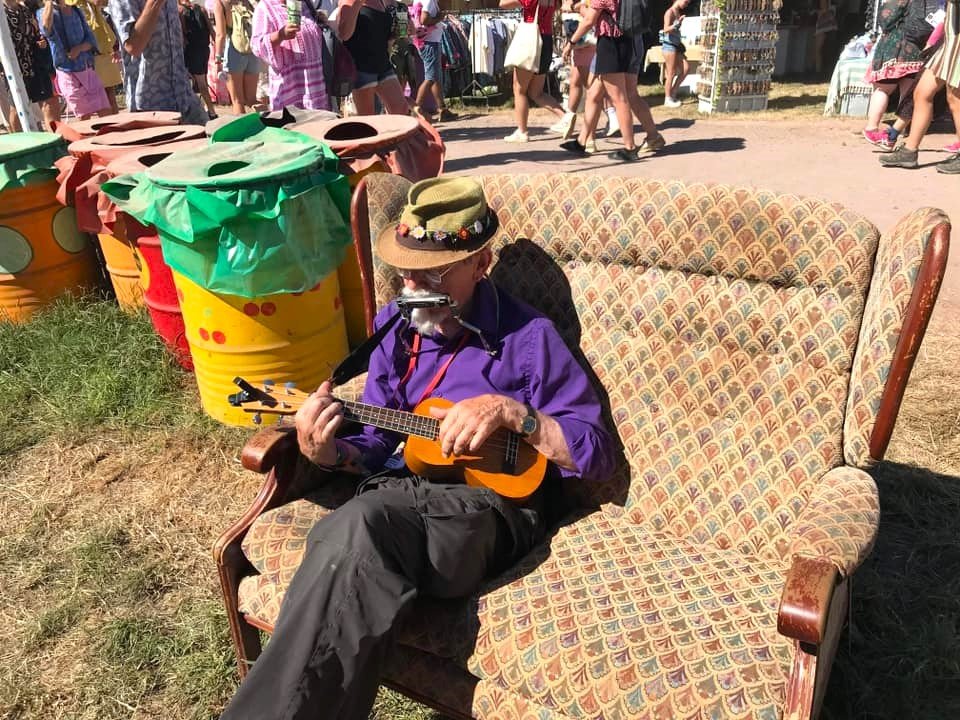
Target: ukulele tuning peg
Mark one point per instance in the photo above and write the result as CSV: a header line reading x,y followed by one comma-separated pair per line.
x,y
290,386
268,385
257,418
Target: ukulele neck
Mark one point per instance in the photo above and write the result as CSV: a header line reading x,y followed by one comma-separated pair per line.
x,y
399,421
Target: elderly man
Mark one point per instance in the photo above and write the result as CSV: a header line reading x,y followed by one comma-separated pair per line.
x,y
154,74
402,535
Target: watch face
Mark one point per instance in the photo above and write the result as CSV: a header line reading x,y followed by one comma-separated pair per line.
x,y
529,425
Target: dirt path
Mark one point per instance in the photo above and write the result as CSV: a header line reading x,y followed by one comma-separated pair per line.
x,y
825,158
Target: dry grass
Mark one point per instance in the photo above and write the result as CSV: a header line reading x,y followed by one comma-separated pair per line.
x,y
110,609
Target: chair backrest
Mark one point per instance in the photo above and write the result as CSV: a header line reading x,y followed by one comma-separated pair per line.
x,y
721,323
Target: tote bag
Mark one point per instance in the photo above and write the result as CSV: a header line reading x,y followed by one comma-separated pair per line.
x,y
524,50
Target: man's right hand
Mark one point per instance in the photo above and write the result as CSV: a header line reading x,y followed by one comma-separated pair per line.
x,y
317,422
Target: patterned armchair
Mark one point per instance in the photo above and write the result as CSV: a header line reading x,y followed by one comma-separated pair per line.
x,y
752,349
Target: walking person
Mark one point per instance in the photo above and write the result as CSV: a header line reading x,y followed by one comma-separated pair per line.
x,y
674,53
72,45
365,27
107,61
429,39
293,53
528,87
197,35
29,46
234,27
151,44
943,70
581,59
615,52
897,60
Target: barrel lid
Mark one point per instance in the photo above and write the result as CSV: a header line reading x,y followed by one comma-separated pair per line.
x,y
119,121
15,145
236,164
141,158
29,157
356,136
134,138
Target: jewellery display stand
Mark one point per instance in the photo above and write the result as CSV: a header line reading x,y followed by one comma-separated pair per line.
x,y
739,51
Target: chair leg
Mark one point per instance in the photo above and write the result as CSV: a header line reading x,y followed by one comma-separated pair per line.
x,y
245,637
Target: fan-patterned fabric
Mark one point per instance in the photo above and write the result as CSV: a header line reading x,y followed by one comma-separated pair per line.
x,y
720,326
893,282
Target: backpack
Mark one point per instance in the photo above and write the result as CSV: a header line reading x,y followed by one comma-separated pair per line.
x,y
633,16
241,17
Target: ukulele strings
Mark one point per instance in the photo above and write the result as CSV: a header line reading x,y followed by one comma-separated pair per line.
x,y
294,399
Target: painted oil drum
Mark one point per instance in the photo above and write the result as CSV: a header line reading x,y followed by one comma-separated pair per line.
x,y
156,279
123,267
42,254
294,337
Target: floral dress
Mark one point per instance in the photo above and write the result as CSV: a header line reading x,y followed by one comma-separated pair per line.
x,y
898,51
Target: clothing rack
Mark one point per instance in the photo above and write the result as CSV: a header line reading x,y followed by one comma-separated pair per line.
x,y
476,89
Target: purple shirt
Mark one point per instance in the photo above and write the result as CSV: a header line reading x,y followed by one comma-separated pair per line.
x,y
533,366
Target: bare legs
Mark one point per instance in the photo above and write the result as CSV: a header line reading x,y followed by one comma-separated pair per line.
x,y
676,70
390,94
527,87
615,86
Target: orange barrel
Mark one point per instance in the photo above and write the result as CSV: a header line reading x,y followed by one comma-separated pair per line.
x,y
156,279
42,254
362,146
253,232
118,122
80,180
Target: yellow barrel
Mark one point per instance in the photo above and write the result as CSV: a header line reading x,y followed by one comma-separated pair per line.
x,y
42,254
124,269
296,337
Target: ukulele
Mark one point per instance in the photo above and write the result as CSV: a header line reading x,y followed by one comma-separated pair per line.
x,y
505,463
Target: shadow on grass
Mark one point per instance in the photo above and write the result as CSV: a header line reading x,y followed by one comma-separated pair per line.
x,y
900,657
787,102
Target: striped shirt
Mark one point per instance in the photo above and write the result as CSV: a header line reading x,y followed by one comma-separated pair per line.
x,y
296,65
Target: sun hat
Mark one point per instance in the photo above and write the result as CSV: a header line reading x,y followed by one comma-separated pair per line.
x,y
445,220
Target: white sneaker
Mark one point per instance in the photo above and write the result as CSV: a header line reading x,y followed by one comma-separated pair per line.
x,y
613,125
591,147
671,103
517,137
564,125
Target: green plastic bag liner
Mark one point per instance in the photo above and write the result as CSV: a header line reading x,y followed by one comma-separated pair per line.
x,y
29,157
244,218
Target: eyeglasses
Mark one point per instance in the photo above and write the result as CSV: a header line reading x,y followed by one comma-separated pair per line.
x,y
434,276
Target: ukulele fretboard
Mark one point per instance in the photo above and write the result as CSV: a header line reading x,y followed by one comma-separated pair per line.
x,y
399,421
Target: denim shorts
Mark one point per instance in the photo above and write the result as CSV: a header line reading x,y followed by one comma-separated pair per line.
x,y
238,62
430,54
372,79
670,42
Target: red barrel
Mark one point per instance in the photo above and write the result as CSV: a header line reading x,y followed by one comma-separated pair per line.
x,y
121,121
160,294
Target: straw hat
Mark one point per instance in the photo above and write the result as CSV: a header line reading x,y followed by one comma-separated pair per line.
x,y
446,219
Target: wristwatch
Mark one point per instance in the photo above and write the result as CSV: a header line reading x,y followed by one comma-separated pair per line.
x,y
529,424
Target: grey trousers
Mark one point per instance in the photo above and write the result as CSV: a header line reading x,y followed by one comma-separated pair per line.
x,y
364,566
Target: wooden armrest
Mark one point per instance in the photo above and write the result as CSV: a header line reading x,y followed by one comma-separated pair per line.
x,y
264,450
806,600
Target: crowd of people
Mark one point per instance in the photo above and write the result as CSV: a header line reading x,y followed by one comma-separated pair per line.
x,y
917,56
386,55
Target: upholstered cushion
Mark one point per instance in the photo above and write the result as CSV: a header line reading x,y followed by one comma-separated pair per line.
x,y
607,619
894,283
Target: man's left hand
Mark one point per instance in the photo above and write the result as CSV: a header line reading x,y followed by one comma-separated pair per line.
x,y
467,425
73,54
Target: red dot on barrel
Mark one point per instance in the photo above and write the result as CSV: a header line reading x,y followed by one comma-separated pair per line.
x,y
336,302
251,309
219,338
204,334
179,294
268,308
316,287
